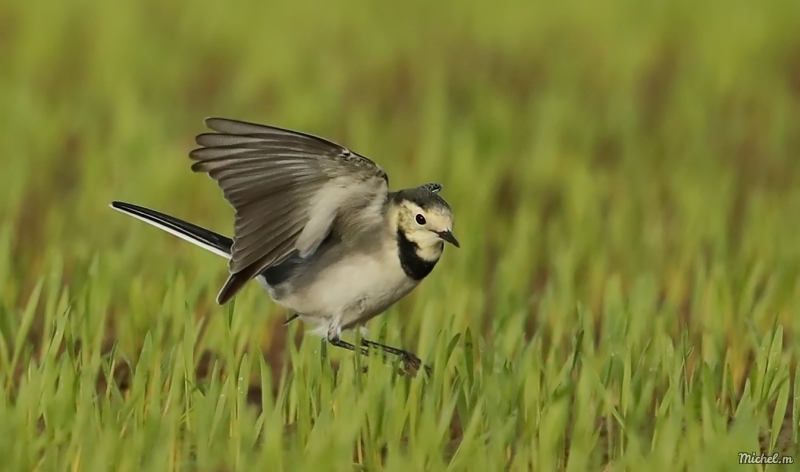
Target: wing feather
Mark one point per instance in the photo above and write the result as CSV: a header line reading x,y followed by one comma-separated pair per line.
x,y
288,189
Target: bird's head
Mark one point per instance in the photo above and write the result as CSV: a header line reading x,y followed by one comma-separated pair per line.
x,y
425,219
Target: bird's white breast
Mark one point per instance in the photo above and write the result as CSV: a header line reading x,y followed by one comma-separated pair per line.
x,y
350,291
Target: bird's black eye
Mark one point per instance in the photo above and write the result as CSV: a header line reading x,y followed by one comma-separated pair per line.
x,y
420,219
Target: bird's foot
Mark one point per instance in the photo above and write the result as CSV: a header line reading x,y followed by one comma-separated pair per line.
x,y
412,364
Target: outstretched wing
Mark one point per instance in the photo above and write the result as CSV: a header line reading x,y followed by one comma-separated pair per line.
x,y
287,188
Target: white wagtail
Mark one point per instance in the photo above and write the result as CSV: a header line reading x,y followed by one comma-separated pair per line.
x,y
316,225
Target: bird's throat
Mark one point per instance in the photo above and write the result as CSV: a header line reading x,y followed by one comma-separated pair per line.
x,y
416,262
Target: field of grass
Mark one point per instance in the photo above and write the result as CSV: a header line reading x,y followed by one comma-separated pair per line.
x,y
626,182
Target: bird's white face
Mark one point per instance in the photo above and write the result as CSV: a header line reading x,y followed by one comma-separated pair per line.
x,y
427,228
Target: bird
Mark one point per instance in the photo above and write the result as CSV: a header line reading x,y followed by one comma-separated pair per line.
x,y
316,225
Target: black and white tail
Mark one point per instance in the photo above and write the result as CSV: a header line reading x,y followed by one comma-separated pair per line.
x,y
209,240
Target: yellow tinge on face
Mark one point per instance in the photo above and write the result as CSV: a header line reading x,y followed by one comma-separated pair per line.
x,y
438,225
442,224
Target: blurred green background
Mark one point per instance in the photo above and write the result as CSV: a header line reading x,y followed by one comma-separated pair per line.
x,y
627,170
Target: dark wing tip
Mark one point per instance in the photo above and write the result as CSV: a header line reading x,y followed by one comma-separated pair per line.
x,y
231,126
219,124
202,138
196,154
198,166
237,280
211,122
232,285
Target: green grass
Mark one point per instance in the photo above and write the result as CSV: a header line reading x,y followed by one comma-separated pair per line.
x,y
626,183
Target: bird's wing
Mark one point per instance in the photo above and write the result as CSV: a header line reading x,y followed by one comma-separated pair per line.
x,y
287,188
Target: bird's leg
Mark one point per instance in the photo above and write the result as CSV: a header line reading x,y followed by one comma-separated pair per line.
x,y
409,358
338,342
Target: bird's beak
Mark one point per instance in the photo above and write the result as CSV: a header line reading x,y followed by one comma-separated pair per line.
x,y
448,236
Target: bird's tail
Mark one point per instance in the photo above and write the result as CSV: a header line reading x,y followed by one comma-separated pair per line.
x,y
209,240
